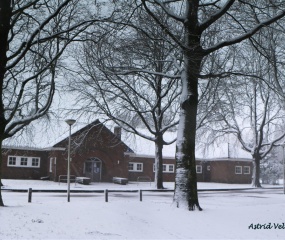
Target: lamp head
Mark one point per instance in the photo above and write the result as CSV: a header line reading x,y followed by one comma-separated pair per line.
x,y
70,121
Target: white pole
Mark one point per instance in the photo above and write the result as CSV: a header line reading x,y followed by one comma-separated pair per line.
x,y
68,166
70,122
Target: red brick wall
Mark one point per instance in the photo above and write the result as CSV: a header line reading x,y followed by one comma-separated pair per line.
x,y
148,168
95,142
205,176
110,166
224,172
17,172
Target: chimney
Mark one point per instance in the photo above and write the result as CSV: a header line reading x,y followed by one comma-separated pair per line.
x,y
118,132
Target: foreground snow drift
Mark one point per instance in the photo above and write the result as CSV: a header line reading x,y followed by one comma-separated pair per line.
x,y
226,215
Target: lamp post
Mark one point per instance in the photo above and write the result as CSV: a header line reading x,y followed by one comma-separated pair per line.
x,y
70,122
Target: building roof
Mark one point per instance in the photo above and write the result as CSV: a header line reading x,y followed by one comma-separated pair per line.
x,y
224,159
47,137
27,148
88,127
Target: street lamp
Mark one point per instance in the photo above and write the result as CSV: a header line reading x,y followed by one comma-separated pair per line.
x,y
70,122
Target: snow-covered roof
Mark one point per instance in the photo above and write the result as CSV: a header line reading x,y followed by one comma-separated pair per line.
x,y
225,159
135,155
32,148
45,136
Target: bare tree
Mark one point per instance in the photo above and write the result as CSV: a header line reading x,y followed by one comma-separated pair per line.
x,y
196,19
259,64
130,78
251,111
271,167
33,36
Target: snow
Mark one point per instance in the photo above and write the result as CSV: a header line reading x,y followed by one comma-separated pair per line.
x,y
225,215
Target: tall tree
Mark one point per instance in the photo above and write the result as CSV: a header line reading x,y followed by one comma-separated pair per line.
x,y
130,78
196,19
251,111
33,37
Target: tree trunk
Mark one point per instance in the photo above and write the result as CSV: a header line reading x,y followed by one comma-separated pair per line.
x,y
186,194
256,171
158,163
5,16
1,200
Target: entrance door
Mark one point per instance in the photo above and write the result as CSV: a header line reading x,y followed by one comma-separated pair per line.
x,y
93,169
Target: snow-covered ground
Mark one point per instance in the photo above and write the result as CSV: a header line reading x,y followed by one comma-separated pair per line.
x,y
226,214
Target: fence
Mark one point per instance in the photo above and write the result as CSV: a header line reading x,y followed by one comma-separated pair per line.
x,y
105,192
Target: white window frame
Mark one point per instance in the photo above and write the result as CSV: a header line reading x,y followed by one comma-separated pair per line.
x,y
130,165
35,160
246,169
238,171
13,159
135,167
24,161
166,168
50,164
19,161
199,169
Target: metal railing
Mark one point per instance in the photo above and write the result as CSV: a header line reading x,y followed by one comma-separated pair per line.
x,y
140,195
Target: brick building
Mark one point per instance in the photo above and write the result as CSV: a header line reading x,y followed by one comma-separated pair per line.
x,y
99,154
24,163
224,170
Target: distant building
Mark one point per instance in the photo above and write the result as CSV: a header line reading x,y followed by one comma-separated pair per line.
x,y
224,170
99,154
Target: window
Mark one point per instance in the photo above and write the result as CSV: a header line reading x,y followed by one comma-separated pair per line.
x,y
238,170
171,167
198,168
209,168
166,168
131,166
246,170
12,161
23,161
35,162
135,167
139,167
